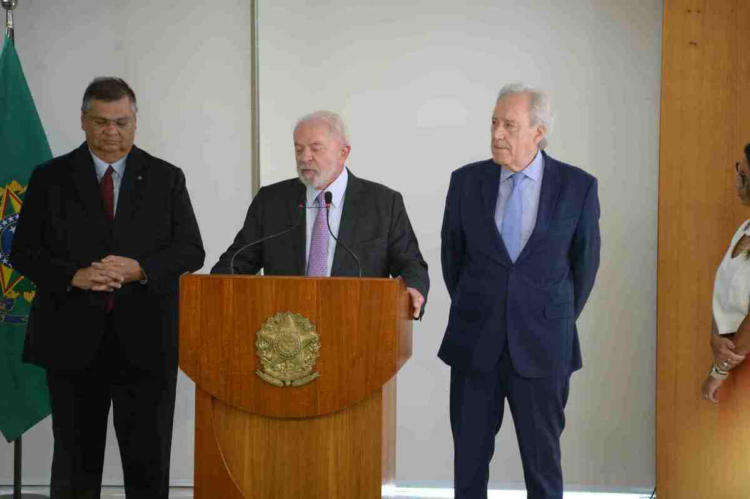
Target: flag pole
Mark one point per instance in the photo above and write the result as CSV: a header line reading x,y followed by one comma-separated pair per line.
x,y
9,6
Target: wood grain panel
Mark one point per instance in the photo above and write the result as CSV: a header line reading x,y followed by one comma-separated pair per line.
x,y
212,476
337,455
388,461
364,328
704,125
335,437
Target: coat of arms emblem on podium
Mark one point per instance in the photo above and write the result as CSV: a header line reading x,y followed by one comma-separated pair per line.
x,y
288,347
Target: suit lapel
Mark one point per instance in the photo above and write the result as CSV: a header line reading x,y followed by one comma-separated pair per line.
x,y
299,238
490,191
131,189
87,187
352,204
551,183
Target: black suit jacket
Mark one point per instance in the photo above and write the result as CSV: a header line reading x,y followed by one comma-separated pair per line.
x,y
374,225
63,227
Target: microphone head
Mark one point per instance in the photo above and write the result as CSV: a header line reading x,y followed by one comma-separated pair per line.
x,y
328,197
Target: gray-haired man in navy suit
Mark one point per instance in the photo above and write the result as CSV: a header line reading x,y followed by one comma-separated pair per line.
x,y
520,252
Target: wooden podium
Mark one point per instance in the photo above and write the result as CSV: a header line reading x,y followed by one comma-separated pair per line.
x,y
333,437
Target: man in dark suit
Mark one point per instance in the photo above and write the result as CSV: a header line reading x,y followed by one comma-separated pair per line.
x,y
368,218
105,233
520,252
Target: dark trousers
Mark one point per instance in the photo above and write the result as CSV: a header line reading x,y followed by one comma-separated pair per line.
x,y
477,403
143,410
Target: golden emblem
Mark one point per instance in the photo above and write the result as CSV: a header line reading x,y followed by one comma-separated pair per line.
x,y
288,347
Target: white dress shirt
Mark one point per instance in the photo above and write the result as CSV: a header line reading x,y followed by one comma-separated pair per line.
x,y
731,299
337,190
119,167
531,189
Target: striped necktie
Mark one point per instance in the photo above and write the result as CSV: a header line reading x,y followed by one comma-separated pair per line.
x,y
317,265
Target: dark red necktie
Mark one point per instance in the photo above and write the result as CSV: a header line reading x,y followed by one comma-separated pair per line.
x,y
107,190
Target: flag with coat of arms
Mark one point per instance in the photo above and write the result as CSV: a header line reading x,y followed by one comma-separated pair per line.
x,y
24,399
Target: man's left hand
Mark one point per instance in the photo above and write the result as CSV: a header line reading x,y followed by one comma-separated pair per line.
x,y
417,300
129,269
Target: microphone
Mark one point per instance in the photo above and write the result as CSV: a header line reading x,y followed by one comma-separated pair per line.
x,y
301,206
329,198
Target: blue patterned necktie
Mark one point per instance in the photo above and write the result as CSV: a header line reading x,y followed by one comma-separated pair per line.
x,y
317,263
511,230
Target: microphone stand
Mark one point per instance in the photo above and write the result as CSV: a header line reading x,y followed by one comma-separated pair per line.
x,y
280,233
328,199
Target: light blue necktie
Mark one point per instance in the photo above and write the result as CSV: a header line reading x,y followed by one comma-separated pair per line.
x,y
511,230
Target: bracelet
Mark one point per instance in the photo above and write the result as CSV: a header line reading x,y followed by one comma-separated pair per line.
x,y
717,373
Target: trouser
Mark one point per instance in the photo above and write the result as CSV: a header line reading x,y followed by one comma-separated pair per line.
x,y
477,404
143,409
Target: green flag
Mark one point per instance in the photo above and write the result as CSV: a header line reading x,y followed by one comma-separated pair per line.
x,y
24,400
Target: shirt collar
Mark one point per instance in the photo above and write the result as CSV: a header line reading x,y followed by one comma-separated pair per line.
x,y
533,171
101,166
337,190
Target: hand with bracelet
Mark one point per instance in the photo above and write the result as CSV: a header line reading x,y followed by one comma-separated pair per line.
x,y
712,383
726,356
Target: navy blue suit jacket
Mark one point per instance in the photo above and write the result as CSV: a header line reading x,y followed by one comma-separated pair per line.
x,y
530,306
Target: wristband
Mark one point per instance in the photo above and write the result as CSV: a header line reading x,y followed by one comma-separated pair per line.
x,y
717,373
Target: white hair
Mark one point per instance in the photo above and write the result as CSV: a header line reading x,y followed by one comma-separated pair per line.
x,y
540,112
332,120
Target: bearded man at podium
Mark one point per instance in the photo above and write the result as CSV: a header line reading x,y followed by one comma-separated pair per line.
x,y
328,222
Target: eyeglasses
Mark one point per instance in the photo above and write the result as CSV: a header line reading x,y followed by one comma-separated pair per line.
x,y
122,123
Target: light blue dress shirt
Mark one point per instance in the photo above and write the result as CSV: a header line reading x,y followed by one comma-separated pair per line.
x,y
119,167
531,189
337,190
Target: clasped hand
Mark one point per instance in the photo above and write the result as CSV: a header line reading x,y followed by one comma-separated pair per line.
x,y
725,358
108,274
724,353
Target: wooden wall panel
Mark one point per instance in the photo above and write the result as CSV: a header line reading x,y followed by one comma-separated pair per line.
x,y
701,450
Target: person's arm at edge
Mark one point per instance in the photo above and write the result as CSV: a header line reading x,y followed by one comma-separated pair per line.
x,y
733,346
451,236
405,259
185,252
28,254
585,248
248,261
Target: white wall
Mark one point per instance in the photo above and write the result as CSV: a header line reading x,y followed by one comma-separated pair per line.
x,y
190,68
416,82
